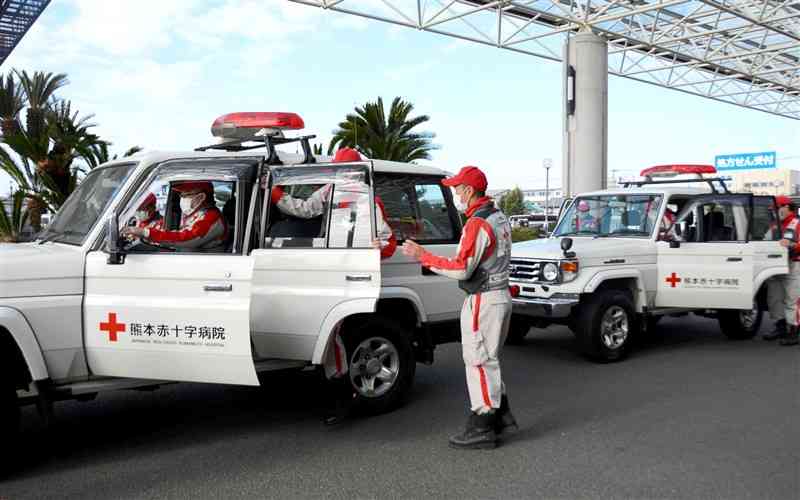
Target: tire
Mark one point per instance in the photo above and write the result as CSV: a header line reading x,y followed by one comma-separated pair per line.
x,y
9,422
365,343
740,324
606,326
517,330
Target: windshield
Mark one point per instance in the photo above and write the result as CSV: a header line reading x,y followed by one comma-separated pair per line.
x,y
84,206
611,215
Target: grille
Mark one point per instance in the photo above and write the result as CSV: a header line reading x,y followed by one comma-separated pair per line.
x,y
525,270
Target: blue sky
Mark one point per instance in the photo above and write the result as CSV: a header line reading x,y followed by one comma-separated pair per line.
x,y
156,74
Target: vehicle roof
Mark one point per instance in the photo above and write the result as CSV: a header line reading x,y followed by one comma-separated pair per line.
x,y
288,158
663,189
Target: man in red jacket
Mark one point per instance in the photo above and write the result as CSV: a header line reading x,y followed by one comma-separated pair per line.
x,y
202,229
482,267
783,292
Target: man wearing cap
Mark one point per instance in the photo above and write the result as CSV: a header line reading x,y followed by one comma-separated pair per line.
x,y
202,228
147,217
314,205
783,292
481,265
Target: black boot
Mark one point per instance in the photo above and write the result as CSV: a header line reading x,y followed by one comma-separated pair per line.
x,y
792,337
479,434
341,401
778,333
505,421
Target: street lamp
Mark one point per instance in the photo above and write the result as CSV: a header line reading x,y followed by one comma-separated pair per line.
x,y
547,163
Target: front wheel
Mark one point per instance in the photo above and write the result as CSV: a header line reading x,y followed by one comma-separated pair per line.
x,y
740,324
9,421
382,365
606,325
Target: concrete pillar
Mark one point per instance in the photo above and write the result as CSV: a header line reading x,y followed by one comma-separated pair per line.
x,y
585,162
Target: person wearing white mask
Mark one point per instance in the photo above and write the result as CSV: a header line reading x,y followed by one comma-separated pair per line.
x,y
481,266
202,228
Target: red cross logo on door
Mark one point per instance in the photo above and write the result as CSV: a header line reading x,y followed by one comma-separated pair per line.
x,y
674,280
112,327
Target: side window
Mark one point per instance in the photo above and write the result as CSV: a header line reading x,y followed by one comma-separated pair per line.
x,y
205,222
320,207
765,220
719,223
300,221
418,207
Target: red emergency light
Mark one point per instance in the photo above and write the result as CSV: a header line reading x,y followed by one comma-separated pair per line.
x,y
672,170
247,124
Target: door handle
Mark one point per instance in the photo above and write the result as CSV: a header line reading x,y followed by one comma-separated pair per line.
x,y
774,256
218,287
359,277
734,259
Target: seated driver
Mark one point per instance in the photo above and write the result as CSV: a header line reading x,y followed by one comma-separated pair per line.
x,y
315,205
202,226
584,220
666,231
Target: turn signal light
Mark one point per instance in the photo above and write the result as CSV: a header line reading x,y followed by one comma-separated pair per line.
x,y
569,267
514,289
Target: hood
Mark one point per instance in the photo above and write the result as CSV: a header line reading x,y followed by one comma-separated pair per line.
x,y
33,270
590,251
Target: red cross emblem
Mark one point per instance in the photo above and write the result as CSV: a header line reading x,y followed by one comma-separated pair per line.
x,y
674,280
112,327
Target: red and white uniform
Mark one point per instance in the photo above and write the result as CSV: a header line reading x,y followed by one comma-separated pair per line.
x,y
783,292
203,230
485,315
315,205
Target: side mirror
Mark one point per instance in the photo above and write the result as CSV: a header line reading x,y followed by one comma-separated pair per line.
x,y
116,255
566,244
674,244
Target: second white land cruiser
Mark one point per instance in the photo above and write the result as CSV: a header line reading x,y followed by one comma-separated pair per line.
x,y
82,311
620,259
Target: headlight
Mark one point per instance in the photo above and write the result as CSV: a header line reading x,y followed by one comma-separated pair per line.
x,y
550,271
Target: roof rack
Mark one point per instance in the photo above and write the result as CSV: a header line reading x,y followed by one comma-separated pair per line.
x,y
270,141
708,180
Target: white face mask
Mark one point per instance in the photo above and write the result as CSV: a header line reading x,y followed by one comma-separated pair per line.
x,y
188,203
460,205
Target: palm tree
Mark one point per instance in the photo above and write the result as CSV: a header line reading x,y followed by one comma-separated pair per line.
x,y
384,137
11,103
13,223
52,138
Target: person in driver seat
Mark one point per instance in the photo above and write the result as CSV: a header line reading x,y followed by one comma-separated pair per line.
x,y
315,205
202,227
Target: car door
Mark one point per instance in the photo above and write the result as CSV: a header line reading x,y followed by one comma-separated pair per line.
x,y
175,315
712,266
769,258
311,272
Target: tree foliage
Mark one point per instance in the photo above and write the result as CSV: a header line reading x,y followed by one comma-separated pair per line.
x,y
513,202
384,136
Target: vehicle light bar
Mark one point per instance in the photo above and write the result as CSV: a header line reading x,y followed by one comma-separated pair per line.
x,y
248,124
673,170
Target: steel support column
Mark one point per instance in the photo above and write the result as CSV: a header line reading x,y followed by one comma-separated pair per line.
x,y
585,161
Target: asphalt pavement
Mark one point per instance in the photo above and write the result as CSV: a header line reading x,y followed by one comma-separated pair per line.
x,y
689,415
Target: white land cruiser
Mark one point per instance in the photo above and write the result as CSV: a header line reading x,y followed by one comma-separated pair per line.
x,y
612,268
82,311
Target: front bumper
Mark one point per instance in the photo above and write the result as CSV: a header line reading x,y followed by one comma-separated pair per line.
x,y
553,307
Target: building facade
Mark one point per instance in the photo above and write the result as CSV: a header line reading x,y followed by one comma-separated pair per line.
x,y
772,182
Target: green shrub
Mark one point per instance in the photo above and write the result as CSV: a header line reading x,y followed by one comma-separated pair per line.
x,y
524,234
